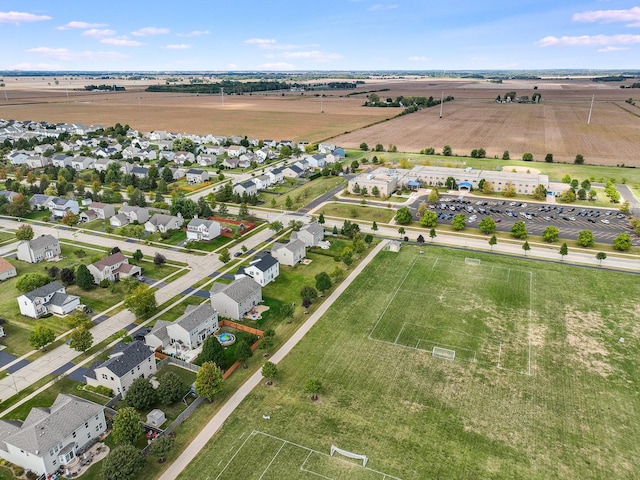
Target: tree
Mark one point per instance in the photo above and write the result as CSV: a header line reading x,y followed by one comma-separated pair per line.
x,y
20,206
600,256
519,230
401,231
579,160
548,158
41,336
487,225
586,184
127,428
492,241
527,157
67,276
432,234
403,216
209,381
422,208
568,196
622,242
566,178
364,147
374,226
141,395
526,247
141,301
488,188
170,388
84,279
53,272
243,351
212,351
124,462
269,371
509,190
24,232
70,219
447,151
312,387
429,219
505,155
276,226
31,281
459,222
323,282
420,239
243,211
159,259
321,219
308,293
288,203
540,192
81,339
224,256
551,234
138,198
625,207
586,238
434,195
161,447
450,183
564,250
137,255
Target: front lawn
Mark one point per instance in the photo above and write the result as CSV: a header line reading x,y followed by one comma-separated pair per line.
x,y
358,212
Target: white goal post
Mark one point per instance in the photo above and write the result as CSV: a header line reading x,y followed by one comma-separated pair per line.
x,y
444,353
472,261
357,456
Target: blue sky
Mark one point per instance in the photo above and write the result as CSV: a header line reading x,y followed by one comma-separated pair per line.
x,y
322,35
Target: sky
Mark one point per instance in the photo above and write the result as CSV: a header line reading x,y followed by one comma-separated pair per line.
x,y
279,35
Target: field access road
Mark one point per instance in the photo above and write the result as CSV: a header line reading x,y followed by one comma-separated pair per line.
x,y
232,403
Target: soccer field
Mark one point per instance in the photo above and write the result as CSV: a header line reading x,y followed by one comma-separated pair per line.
x,y
541,384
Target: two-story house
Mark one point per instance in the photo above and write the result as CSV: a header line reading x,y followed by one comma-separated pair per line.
x,y
249,187
197,176
113,268
200,229
82,163
50,298
45,247
188,332
129,214
290,253
60,206
263,270
98,210
311,234
236,299
163,223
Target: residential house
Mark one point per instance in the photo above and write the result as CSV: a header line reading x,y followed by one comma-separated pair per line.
x,y
236,299
50,298
102,210
40,201
130,152
200,229
9,195
105,152
333,158
326,147
38,161
45,247
275,174
162,144
269,143
235,140
88,216
18,157
261,155
6,269
243,162
101,164
126,363
140,172
148,154
131,214
317,161
60,206
262,182
187,332
178,173
285,143
126,168
289,253
197,176
168,155
51,438
61,160
303,164
207,159
163,223
263,270
82,163
236,150
180,157
219,140
214,149
230,162
302,146
114,268
249,187
292,171
311,234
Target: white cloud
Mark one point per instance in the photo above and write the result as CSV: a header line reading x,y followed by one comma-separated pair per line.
x,y
35,66
195,33
588,40
261,42
97,33
276,66
611,49
417,58
380,7
313,55
631,16
82,25
21,17
150,32
231,66
121,42
68,55
177,46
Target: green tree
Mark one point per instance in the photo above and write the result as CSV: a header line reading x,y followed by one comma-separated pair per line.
x,y
141,301
70,219
402,231
308,293
492,241
540,192
526,247
487,225
579,160
447,151
600,256
276,226
434,195
375,191
323,282
321,219
41,336
269,371
368,239
586,238
81,339
622,242
84,279
566,178
209,381
312,386
505,155
159,259
24,232
564,250
429,219
137,255
404,216
374,226
170,388
364,147
432,234
127,428
141,395
124,462
527,157
568,196
31,281
20,206
509,190
519,230
212,352
459,222
548,158
243,211
161,447
288,203
224,256
586,184
423,207
551,234
243,351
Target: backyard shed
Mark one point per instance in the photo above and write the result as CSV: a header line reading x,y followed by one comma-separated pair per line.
x,y
156,417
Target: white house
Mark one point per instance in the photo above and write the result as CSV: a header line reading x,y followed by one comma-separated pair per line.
x,y
262,182
50,438
263,270
317,161
326,147
60,206
102,211
207,159
292,171
249,187
37,161
126,363
236,150
40,201
289,253
163,223
197,176
236,299
311,234
18,157
114,268
6,269
50,298
61,160
82,163
44,247
200,229
275,174
181,157
130,214
187,332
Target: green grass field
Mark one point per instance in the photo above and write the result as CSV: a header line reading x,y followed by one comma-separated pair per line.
x,y
420,417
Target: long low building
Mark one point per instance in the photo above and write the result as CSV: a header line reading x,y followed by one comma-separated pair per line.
x,y
387,180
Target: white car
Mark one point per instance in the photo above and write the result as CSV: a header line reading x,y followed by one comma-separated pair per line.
x,y
604,220
523,205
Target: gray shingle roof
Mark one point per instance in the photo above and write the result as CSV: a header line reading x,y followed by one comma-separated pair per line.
x,y
313,228
196,222
128,358
195,315
42,241
238,290
61,299
45,290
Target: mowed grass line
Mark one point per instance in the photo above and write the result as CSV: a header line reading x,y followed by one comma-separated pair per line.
x,y
419,417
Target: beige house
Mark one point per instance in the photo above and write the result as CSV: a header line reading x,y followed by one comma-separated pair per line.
x,y
290,253
311,234
45,247
236,299
187,332
113,268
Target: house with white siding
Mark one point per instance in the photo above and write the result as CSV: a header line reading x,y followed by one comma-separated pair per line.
x,y
236,299
187,332
44,247
50,298
264,269
200,229
290,253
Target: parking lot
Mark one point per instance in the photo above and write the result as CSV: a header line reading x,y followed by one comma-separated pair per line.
x,y
605,223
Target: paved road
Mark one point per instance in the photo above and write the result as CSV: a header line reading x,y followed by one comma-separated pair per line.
x,y
230,405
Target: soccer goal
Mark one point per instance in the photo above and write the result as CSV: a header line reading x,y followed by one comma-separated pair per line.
x,y
444,353
357,456
472,261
